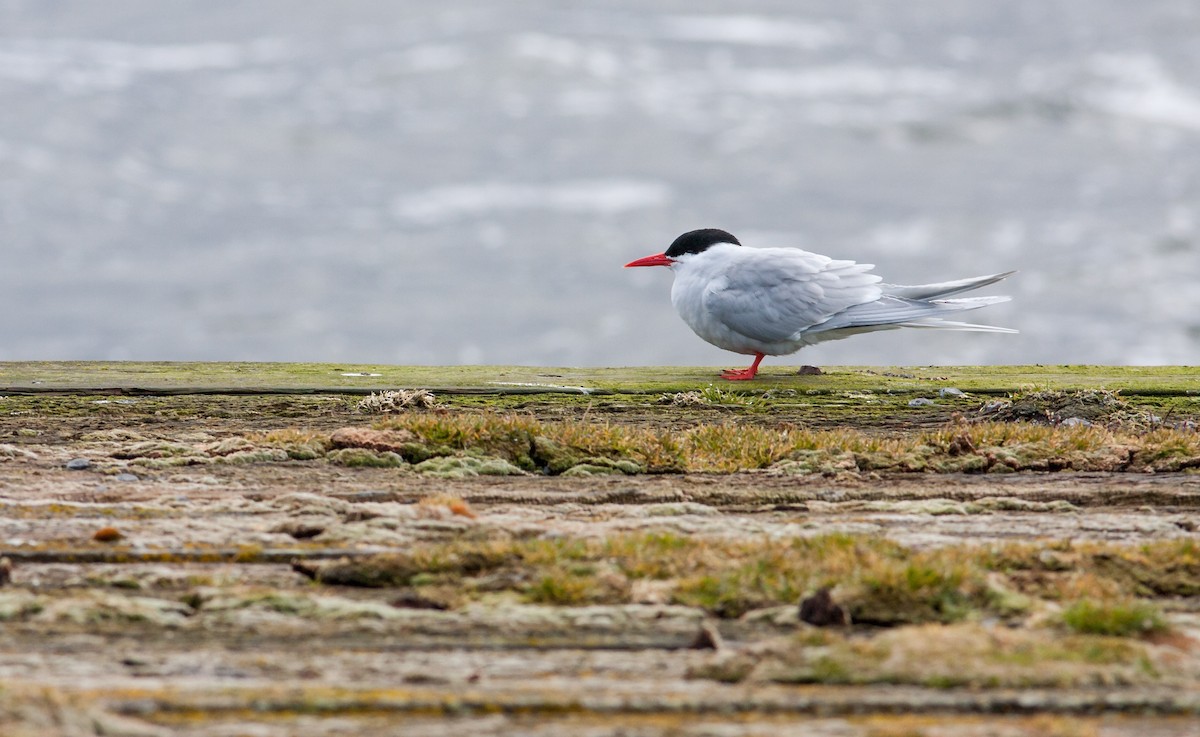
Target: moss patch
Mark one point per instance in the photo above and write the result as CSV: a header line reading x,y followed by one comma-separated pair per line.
x,y
457,467
365,458
943,656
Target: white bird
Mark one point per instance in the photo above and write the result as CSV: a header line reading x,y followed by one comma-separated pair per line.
x,y
774,301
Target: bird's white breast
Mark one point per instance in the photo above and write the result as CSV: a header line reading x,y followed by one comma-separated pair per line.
x,y
700,274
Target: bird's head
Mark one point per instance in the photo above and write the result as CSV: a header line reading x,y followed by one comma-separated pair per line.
x,y
690,243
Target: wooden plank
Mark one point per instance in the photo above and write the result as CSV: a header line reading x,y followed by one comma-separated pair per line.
x,y
133,378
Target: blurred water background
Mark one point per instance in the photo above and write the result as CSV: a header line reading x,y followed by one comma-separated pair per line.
x,y
460,182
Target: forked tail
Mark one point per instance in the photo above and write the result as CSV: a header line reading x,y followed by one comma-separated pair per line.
x,y
943,289
916,307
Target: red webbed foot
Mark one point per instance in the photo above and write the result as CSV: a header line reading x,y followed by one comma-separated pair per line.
x,y
737,374
745,374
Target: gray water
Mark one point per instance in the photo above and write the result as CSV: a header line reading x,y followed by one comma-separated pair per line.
x,y
416,182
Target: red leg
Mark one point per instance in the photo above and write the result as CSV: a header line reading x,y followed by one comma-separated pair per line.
x,y
743,374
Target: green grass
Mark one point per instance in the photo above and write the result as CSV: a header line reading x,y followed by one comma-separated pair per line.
x,y
878,581
1122,618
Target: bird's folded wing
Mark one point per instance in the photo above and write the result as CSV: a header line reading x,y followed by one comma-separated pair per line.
x,y
775,297
899,311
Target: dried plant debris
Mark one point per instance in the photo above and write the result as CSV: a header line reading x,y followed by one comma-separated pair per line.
x,y
684,399
716,396
398,400
1078,408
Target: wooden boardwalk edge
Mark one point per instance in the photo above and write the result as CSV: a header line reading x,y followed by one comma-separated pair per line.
x,y
133,378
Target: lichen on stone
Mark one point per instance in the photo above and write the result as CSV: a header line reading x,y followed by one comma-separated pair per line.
x,y
464,466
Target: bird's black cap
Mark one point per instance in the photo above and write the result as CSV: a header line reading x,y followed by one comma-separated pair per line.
x,y
697,241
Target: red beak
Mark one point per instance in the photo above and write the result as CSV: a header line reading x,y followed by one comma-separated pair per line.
x,y
658,259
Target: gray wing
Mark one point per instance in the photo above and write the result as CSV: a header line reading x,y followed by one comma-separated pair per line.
x,y
773,294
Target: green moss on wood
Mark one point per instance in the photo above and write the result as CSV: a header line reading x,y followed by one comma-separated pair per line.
x,y
133,377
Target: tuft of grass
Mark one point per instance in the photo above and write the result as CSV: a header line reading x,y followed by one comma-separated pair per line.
x,y
1119,618
1090,570
716,395
735,445
880,582
563,588
557,590
288,436
301,445
656,555
924,588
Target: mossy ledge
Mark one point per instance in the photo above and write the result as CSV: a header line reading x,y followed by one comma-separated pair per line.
x,y
133,377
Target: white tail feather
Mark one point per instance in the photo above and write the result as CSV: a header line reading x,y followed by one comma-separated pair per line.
x,y
943,289
939,324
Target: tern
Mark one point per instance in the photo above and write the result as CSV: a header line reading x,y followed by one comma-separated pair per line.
x,y
774,301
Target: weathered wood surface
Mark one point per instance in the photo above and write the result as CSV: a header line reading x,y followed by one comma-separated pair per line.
x,y
134,377
228,495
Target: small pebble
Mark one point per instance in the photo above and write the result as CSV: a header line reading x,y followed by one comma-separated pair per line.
x,y
949,391
299,529
919,402
1076,422
107,535
78,464
820,610
412,600
708,638
126,477
306,568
